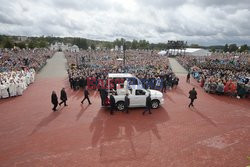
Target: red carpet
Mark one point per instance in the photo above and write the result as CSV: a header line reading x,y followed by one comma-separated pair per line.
x,y
214,133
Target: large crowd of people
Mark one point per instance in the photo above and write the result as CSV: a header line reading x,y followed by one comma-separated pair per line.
x,y
18,69
152,69
220,73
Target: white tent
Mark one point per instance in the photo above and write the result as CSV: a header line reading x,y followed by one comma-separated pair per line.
x,y
163,52
190,51
197,52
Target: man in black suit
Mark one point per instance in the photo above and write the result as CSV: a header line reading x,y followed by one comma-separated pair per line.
x,y
164,86
126,103
192,96
103,95
86,96
71,82
63,97
188,78
112,104
54,100
148,105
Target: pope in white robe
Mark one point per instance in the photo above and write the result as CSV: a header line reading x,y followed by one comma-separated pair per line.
x,y
24,84
27,78
12,89
19,88
4,91
32,75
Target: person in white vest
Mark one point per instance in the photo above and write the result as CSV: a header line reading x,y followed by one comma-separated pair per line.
x,y
158,83
23,80
19,88
27,77
12,88
4,91
32,76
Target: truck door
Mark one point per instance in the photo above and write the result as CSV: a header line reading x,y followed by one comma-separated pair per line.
x,y
140,97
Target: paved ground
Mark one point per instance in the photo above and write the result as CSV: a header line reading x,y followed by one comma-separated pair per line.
x,y
55,67
177,68
214,133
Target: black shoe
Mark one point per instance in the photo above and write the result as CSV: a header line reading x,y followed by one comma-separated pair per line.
x,y
90,103
81,102
65,105
59,104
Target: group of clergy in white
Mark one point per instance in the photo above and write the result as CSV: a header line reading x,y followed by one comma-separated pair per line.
x,y
15,82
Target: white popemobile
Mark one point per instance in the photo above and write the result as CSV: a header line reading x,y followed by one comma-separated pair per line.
x,y
136,93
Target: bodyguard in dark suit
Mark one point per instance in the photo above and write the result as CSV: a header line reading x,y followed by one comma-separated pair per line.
x,y
126,103
192,96
148,105
71,82
54,100
188,78
103,95
112,104
63,97
164,86
86,96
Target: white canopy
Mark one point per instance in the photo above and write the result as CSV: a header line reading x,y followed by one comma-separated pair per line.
x,y
163,52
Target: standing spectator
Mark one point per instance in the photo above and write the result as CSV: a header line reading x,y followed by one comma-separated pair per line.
x,y
86,96
164,86
175,82
192,96
54,100
63,97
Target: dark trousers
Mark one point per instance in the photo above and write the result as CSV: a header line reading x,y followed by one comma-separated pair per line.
x,y
55,105
64,101
126,108
191,103
71,85
103,100
85,99
148,108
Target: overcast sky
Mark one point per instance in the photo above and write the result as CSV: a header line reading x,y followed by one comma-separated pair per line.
x,y
198,21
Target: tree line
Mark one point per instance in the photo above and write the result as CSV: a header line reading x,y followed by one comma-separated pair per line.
x,y
82,43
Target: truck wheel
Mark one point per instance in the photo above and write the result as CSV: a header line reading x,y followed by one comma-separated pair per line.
x,y
155,104
120,106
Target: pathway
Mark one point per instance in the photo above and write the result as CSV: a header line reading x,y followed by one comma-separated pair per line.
x,y
176,67
55,67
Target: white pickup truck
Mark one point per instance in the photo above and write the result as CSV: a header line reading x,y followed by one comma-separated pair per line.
x,y
136,93
137,97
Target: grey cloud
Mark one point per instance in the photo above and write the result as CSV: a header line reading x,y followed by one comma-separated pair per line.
x,y
80,4
197,21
